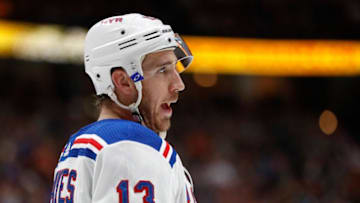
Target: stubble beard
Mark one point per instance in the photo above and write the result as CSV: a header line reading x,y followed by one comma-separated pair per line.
x,y
164,124
154,121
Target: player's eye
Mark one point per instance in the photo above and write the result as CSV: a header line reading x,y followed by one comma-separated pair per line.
x,y
162,70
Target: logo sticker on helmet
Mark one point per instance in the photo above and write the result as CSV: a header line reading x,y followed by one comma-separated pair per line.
x,y
137,77
112,20
166,30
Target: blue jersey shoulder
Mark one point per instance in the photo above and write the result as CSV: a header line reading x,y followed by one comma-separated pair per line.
x,y
116,130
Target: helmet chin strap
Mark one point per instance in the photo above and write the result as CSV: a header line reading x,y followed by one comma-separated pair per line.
x,y
134,107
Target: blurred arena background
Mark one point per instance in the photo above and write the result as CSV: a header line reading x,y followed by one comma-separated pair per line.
x,y
270,112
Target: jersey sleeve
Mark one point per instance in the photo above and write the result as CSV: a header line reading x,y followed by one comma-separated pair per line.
x,y
132,172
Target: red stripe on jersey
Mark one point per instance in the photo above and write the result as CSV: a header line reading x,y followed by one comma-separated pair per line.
x,y
187,195
167,148
89,141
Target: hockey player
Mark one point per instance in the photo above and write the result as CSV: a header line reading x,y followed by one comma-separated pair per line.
x,y
132,61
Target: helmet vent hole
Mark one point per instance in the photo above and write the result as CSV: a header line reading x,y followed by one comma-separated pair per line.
x,y
123,43
98,75
127,46
122,32
151,33
169,40
152,37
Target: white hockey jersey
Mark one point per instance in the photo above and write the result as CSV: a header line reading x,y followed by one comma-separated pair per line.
x,y
119,161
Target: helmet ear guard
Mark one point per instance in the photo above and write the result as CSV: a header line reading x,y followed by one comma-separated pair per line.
x,y
101,78
124,41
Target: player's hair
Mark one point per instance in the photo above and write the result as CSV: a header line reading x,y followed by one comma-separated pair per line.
x,y
100,100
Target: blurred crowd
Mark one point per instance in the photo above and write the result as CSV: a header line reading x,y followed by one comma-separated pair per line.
x,y
244,140
281,158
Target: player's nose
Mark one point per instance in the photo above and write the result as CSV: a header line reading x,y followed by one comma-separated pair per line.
x,y
177,84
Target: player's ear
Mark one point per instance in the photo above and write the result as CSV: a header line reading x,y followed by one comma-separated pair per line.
x,y
122,82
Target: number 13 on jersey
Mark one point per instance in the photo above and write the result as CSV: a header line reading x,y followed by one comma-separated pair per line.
x,y
141,186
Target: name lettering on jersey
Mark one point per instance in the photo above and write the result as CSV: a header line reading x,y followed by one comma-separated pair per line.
x,y
112,20
63,187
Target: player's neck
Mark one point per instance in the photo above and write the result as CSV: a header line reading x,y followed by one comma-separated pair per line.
x,y
113,111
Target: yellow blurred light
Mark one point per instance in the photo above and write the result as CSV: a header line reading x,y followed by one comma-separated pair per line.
x,y
180,68
328,122
51,43
10,33
275,57
211,54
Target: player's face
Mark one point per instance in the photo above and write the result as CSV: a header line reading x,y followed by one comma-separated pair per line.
x,y
161,85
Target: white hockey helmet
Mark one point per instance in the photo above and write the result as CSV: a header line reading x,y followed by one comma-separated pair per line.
x,y
123,41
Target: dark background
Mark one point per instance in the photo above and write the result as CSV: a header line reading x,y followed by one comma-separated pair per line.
x,y
245,139
332,19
